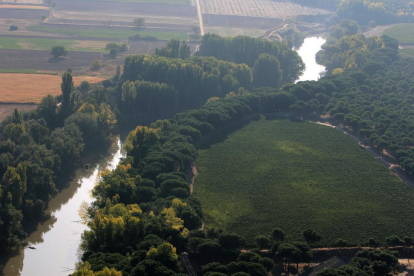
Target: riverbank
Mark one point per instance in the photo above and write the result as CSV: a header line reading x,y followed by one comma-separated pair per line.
x,y
56,240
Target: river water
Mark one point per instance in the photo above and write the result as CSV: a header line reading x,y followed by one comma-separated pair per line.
x,y
307,52
56,241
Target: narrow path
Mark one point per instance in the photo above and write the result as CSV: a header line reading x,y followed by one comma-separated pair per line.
x,y
193,173
200,19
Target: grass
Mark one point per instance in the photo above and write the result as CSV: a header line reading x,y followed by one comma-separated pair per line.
x,y
404,33
21,71
47,44
107,33
278,173
162,2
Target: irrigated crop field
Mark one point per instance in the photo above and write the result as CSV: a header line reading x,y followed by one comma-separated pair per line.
x,y
404,33
257,8
278,173
31,88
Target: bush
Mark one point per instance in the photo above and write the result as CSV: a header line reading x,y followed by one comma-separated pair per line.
x,y
139,22
96,64
58,51
13,28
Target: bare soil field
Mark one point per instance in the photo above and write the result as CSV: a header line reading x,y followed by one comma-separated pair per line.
x,y
127,8
41,60
23,14
234,21
7,109
257,8
31,88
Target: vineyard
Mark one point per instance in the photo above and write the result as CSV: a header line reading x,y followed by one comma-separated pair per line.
x,y
257,8
266,175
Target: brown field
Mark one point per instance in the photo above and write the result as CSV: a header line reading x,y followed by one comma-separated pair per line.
x,y
24,7
257,8
7,109
31,88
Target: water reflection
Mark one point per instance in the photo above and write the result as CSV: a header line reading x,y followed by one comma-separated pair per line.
x,y
57,239
307,52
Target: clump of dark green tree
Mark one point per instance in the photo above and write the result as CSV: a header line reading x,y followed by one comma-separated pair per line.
x,y
40,149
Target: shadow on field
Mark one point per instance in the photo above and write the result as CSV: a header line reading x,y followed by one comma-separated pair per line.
x,y
282,116
221,133
56,59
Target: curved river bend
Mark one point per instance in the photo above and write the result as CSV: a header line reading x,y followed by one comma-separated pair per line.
x,y
57,239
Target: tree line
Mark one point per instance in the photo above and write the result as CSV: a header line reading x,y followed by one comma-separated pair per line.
x,y
39,149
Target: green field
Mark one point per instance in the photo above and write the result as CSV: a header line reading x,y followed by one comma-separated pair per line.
x,y
47,44
404,33
278,173
107,33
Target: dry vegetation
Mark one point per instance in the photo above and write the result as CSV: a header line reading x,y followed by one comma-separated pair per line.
x,y
31,88
24,7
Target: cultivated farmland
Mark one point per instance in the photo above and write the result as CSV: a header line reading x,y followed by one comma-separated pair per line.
x,y
404,33
278,173
31,88
257,8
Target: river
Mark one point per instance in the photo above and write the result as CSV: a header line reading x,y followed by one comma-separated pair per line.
x,y
307,52
56,241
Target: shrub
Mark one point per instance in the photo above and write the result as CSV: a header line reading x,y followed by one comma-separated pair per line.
x,y
96,64
13,28
58,51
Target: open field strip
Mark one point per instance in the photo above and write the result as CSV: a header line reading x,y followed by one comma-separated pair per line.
x,y
31,88
47,44
24,7
106,33
266,175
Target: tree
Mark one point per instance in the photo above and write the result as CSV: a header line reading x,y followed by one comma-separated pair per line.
x,y
139,22
278,234
13,28
311,236
289,253
231,240
67,90
262,241
266,71
394,241
373,243
341,243
58,51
